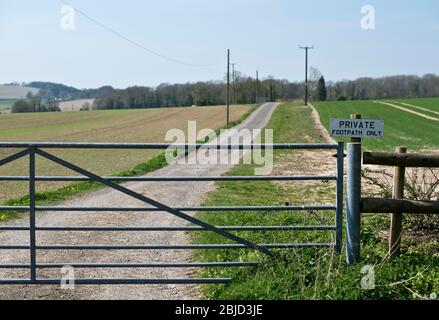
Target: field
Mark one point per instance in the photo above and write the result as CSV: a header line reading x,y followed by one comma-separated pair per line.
x,y
414,127
6,105
143,125
308,274
15,92
74,105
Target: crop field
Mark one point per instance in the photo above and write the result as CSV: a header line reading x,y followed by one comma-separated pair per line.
x,y
142,125
413,123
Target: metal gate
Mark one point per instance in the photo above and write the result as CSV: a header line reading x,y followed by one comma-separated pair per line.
x,y
30,150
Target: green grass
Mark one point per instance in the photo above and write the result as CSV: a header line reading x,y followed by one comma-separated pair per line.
x,y
401,128
76,189
309,273
429,103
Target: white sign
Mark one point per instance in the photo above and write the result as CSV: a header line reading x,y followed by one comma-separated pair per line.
x,y
350,128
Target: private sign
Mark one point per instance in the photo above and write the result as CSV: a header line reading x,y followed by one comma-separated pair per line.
x,y
351,128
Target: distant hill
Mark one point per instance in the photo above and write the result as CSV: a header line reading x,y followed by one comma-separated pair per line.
x,y
49,90
16,92
59,91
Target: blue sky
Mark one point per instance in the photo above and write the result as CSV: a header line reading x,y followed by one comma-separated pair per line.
x,y
262,34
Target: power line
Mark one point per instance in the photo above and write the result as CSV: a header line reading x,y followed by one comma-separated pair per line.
x,y
135,43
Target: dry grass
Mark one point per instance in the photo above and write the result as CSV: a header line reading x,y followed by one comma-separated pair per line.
x,y
145,125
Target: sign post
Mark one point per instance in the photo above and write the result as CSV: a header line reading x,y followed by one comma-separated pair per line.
x,y
356,129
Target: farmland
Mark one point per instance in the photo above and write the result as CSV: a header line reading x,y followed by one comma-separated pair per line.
x,y
6,105
143,125
414,127
15,92
75,105
308,274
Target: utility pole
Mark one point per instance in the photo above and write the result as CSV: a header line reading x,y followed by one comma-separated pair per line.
x,y
306,48
228,87
234,82
257,87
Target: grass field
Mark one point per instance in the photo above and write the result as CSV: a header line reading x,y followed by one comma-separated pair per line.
x,y
145,125
429,103
309,273
401,128
6,105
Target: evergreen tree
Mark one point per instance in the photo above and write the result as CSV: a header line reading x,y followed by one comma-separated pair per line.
x,y
321,94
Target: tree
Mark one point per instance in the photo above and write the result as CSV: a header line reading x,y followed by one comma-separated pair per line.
x,y
21,106
321,94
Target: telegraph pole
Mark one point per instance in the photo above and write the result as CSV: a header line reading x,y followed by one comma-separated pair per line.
x,y
234,82
257,87
306,48
228,87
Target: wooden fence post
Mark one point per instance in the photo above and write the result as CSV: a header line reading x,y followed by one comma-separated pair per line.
x,y
396,221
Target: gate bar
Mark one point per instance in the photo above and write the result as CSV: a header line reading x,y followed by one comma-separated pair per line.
x,y
162,146
116,281
14,157
188,209
174,179
167,247
133,265
32,217
182,228
339,198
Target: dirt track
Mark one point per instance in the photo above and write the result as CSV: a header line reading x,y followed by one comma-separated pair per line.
x,y
173,194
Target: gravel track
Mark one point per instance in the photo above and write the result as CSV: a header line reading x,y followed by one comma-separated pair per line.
x,y
169,193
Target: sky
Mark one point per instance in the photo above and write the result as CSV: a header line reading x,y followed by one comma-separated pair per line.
x,y
111,42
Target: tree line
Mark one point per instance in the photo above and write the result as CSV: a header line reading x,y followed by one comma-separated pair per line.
x,y
246,90
34,103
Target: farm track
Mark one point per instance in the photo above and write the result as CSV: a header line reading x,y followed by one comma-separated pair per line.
x,y
418,107
409,111
173,194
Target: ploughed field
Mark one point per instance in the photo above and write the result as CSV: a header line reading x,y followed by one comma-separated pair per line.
x,y
140,125
413,123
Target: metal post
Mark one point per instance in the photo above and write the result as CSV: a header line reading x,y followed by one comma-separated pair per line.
x,y
257,87
396,222
356,117
228,87
339,214
32,239
353,214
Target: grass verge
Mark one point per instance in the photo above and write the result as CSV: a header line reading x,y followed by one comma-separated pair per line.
x,y
77,189
310,273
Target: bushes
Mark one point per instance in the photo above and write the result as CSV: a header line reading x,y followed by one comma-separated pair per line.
x,y
21,106
34,104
